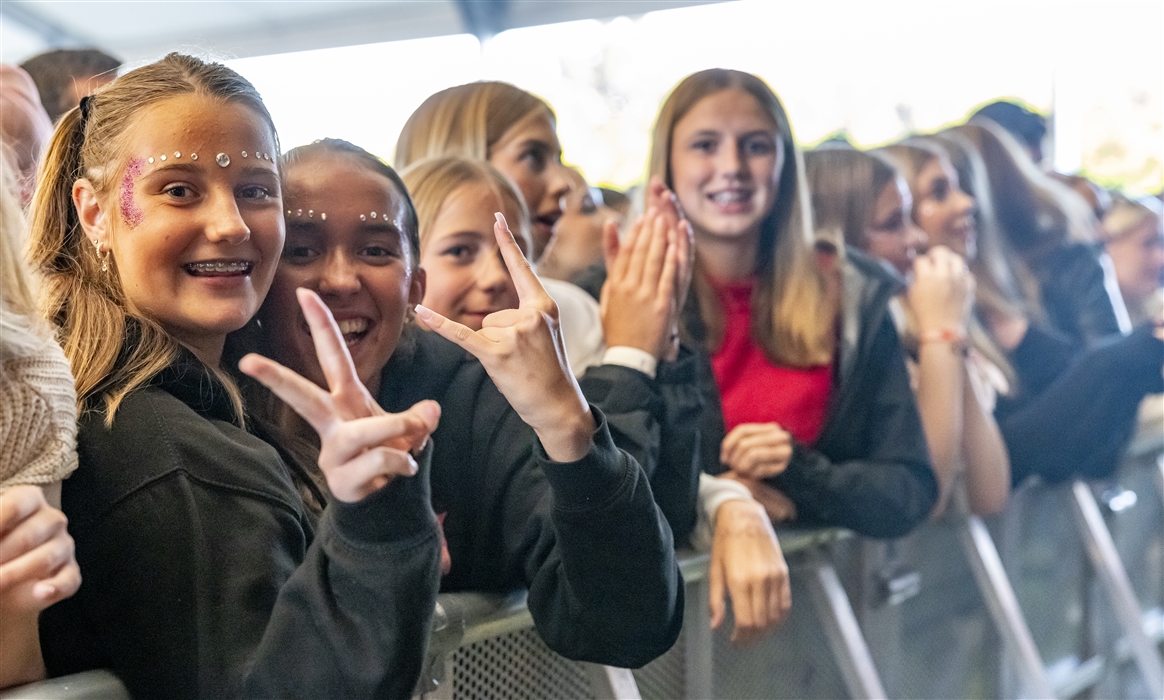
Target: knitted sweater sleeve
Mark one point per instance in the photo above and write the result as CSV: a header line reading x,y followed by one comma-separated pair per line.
x,y
38,419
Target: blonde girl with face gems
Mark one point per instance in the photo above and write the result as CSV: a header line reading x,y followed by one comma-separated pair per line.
x,y
625,348
157,228
864,199
1063,411
821,423
525,474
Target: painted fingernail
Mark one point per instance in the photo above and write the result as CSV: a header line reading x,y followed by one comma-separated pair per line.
x,y
424,312
501,219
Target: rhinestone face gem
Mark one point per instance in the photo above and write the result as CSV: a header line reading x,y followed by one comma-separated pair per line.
x,y
373,215
193,156
163,157
310,213
323,215
150,159
222,159
244,154
363,218
177,154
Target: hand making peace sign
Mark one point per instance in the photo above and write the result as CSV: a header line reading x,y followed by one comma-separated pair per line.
x,y
523,352
362,447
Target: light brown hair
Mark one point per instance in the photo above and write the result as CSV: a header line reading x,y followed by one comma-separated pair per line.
x,y
432,181
845,183
113,347
466,120
794,307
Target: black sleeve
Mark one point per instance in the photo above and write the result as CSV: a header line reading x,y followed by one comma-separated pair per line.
x,y
657,423
353,620
1081,424
871,471
1076,294
596,554
203,587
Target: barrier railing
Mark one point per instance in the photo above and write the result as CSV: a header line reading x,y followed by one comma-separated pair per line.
x,y
1070,602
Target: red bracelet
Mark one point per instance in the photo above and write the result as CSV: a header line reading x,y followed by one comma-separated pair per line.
x,y
956,338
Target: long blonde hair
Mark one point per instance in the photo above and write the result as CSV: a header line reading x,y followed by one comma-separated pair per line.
x,y
466,120
794,309
22,331
113,347
432,181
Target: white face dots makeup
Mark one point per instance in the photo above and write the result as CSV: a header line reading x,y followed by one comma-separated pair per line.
x,y
223,159
310,214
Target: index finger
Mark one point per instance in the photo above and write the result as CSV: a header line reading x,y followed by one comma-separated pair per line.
x,y
17,504
526,283
330,348
300,393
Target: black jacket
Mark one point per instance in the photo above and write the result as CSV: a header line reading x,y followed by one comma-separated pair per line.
x,y
206,576
585,538
870,469
1076,294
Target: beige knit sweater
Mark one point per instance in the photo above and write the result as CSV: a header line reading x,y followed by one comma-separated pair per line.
x,y
38,419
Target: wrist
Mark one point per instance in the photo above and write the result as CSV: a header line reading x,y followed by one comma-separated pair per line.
x,y
568,439
944,335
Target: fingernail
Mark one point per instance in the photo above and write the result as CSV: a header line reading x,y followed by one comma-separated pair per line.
x,y
501,219
43,591
424,312
412,466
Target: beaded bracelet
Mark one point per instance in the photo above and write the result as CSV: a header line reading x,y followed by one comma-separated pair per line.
x,y
955,338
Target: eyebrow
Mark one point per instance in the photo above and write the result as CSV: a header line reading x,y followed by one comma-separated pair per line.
x,y
248,170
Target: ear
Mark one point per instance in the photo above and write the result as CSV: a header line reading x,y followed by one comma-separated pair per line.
x,y
91,212
416,289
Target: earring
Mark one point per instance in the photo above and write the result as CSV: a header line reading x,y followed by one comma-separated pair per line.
x,y
103,258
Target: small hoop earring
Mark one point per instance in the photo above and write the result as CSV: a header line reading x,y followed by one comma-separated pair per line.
x,y
103,258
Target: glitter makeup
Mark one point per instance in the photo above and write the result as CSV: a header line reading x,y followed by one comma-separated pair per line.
x,y
130,212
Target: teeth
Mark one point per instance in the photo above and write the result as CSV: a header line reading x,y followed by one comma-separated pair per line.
x,y
353,325
219,267
729,196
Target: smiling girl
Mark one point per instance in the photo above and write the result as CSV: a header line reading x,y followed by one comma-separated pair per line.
x,y
533,490
820,420
157,228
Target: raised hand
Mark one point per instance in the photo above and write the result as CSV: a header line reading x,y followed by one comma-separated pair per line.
x,y
362,447
648,277
37,566
756,450
523,352
747,564
942,292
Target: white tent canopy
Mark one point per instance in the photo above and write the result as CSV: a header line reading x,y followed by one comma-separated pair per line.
x,y
142,31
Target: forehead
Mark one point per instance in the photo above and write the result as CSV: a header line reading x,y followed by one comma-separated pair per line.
x,y
726,110
337,181
535,126
199,124
472,203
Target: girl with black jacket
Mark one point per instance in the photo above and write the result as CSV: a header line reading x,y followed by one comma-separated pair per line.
x,y
805,362
157,226
533,490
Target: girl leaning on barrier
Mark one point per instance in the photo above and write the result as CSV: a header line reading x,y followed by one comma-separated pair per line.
x,y
1070,407
625,348
533,491
157,227
954,368
812,388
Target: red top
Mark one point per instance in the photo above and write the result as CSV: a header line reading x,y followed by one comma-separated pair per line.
x,y
752,389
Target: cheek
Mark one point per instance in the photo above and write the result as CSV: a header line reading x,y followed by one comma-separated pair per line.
x,y
444,285
131,213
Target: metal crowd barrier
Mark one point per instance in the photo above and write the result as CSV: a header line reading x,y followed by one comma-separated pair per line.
x,y
1070,603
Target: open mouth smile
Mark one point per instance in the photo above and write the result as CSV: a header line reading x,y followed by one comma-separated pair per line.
x,y
219,268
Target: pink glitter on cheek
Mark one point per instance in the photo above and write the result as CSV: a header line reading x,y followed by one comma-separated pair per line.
x,y
130,212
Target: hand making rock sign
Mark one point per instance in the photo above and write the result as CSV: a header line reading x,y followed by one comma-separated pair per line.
x,y
362,446
523,352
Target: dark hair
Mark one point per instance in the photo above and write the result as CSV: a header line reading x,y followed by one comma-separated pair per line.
x,y
376,165
55,72
1027,126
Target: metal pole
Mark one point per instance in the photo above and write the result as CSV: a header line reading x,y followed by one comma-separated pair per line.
x,y
841,629
1000,599
1114,578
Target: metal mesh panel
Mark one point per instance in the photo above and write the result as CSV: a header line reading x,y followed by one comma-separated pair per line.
x,y
665,677
516,666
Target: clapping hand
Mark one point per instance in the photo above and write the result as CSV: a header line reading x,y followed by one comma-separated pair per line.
x,y
362,447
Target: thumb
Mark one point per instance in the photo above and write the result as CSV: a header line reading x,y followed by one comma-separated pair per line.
x,y
610,242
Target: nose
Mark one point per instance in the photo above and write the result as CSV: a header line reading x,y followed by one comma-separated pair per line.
x,y
492,275
226,222
558,185
966,204
730,161
339,275
915,238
